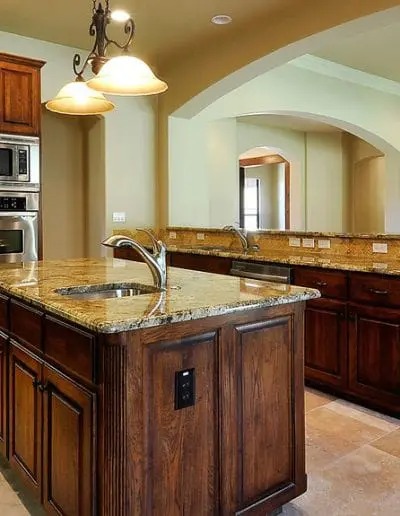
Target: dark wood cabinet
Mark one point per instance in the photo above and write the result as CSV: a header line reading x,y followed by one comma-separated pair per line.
x,y
352,336
19,95
199,262
374,355
25,410
3,394
326,342
68,446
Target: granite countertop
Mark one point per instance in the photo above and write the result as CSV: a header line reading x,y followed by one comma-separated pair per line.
x,y
370,264
189,295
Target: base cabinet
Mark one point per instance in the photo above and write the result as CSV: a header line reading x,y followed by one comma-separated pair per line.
x,y
25,402
68,446
326,338
52,438
374,352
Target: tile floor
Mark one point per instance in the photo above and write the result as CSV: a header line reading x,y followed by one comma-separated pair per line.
x,y
353,463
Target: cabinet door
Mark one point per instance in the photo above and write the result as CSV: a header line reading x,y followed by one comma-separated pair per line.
x,y
262,427
20,99
326,342
374,356
25,408
3,394
68,446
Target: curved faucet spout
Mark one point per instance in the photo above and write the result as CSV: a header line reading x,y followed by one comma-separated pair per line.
x,y
156,261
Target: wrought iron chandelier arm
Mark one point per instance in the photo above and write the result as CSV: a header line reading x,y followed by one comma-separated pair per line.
x,y
129,29
77,61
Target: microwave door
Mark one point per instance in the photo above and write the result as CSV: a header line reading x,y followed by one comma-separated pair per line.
x,y
7,163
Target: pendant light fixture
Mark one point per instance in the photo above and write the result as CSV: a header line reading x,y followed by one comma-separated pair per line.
x,y
121,75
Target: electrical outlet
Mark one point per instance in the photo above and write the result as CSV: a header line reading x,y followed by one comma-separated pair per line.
x,y
200,236
294,242
379,248
308,242
172,235
324,244
184,389
119,216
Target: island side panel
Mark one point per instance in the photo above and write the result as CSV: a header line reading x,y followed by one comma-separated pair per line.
x,y
154,459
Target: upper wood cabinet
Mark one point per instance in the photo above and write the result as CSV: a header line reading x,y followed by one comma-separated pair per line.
x,y
20,95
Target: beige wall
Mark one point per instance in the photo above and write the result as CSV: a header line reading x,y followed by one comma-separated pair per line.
x,y
63,211
369,195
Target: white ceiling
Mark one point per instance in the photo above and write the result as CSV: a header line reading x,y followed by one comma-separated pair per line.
x,y
289,122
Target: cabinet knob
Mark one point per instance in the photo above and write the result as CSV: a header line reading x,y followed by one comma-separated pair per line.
x,y
35,383
42,387
352,316
320,283
378,292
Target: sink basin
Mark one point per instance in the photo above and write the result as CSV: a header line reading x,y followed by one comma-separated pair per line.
x,y
95,292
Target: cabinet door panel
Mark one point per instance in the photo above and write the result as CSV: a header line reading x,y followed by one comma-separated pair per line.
x,y
326,342
3,395
20,89
183,444
68,432
25,416
270,442
374,339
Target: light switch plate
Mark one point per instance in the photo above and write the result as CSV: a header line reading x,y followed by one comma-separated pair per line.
x,y
308,242
379,248
324,244
172,235
200,236
119,216
294,242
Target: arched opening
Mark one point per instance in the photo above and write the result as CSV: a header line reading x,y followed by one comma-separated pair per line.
x,y
264,191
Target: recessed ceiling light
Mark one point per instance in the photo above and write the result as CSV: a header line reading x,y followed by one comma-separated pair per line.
x,y
221,19
120,16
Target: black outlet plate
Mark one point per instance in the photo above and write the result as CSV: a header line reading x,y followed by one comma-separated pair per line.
x,y
184,388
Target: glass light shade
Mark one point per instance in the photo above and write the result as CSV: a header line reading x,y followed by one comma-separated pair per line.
x,y
75,98
127,75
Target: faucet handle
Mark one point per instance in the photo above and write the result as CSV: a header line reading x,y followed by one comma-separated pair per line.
x,y
156,243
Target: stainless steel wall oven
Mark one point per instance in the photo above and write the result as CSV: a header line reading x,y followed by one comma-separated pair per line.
x,y
19,213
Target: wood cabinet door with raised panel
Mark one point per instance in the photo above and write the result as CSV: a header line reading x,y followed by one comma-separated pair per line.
x,y
3,394
326,342
25,409
182,443
262,427
20,99
68,446
374,356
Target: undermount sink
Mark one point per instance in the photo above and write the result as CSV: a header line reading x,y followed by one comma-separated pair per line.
x,y
94,292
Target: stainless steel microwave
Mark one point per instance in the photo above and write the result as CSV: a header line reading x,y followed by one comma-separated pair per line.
x,y
19,162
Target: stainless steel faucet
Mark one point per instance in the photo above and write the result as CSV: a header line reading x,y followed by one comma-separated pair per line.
x,y
242,234
156,261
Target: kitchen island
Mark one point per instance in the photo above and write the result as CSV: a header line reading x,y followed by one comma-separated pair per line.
x,y
188,401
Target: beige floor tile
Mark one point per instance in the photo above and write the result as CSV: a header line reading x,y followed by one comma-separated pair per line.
x,y
315,399
365,482
389,443
13,510
7,495
370,417
330,435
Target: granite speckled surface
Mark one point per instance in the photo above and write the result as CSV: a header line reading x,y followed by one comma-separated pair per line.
x,y
347,263
190,295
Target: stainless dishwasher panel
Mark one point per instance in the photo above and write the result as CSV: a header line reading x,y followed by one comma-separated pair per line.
x,y
261,271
